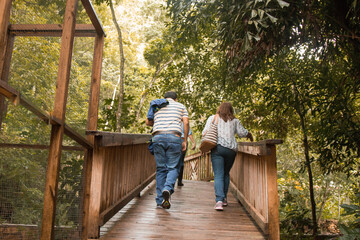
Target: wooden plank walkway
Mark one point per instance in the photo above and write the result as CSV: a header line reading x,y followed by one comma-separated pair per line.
x,y
191,216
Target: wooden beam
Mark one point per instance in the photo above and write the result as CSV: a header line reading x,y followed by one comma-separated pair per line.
x,y
50,30
93,17
15,96
38,146
109,139
9,92
5,45
77,137
57,131
95,85
5,9
92,125
261,148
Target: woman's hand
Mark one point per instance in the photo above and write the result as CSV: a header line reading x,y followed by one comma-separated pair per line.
x,y
250,137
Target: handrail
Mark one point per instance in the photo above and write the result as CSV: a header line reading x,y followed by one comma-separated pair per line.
x,y
253,180
122,167
15,96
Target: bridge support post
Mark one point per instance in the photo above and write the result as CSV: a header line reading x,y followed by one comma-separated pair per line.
x,y
6,44
93,226
57,130
272,193
92,126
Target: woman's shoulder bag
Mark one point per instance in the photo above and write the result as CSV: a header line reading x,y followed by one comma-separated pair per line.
x,y
209,139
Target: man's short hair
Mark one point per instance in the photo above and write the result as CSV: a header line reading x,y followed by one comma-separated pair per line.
x,y
170,94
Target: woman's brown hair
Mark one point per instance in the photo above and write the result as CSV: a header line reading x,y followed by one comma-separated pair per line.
x,y
226,111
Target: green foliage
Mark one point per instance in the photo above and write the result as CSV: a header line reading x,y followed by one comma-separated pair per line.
x,y
108,122
69,195
351,231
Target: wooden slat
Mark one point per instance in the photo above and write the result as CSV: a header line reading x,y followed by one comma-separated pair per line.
x,y
191,216
110,212
38,146
93,17
57,131
109,139
50,30
254,213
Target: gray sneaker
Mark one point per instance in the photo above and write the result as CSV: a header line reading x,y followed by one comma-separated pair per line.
x,y
225,203
166,202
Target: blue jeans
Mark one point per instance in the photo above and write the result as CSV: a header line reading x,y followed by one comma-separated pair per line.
x,y
222,160
167,151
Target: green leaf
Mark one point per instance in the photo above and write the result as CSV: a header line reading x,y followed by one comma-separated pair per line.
x,y
272,18
283,3
261,13
253,13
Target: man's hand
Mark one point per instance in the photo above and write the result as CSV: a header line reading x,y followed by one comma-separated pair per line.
x,y
149,122
184,145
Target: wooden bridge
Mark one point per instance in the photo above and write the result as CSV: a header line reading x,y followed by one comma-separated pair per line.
x,y
123,167
118,167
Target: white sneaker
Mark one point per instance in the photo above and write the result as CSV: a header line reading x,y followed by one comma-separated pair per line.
x,y
219,206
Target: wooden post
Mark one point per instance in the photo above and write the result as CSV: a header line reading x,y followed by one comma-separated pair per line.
x,y
57,131
92,125
95,191
5,45
272,195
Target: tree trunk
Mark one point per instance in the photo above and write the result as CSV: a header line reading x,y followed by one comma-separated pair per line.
x,y
311,184
144,95
300,109
122,66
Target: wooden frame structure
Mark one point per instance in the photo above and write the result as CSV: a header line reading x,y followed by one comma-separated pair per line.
x,y
67,31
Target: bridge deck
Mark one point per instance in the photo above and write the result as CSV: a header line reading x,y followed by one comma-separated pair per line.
x,y
191,216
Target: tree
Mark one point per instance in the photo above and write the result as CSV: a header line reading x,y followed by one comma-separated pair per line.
x,y
255,35
122,62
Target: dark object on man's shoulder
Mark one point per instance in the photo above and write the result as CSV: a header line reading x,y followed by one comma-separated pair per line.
x,y
155,106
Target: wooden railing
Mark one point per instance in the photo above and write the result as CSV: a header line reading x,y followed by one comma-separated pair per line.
x,y
198,167
122,166
253,180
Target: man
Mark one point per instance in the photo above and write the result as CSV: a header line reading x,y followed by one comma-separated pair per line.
x,y
168,146
183,154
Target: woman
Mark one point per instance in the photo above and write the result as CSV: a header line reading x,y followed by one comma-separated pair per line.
x,y
223,155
